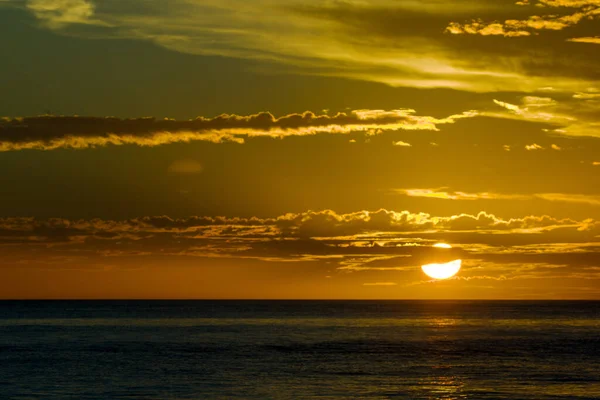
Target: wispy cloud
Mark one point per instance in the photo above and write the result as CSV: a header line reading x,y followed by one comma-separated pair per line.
x,y
381,284
53,132
396,43
451,195
591,95
592,40
570,198
566,118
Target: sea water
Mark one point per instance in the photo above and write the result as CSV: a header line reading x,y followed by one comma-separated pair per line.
x,y
299,350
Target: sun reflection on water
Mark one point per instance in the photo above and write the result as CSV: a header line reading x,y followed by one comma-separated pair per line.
x,y
447,387
442,322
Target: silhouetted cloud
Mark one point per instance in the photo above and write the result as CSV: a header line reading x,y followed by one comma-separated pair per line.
x,y
52,132
383,247
360,230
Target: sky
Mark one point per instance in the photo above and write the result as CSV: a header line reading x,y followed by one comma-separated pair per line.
x,y
286,149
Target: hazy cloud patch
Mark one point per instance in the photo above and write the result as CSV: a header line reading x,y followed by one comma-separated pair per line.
x,y
57,14
185,166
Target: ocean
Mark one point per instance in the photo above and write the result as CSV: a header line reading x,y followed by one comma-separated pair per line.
x,y
299,350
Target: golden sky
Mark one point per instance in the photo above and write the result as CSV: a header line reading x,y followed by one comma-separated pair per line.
x,y
299,149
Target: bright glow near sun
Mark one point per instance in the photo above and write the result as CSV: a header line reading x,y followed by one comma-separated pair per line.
x,y
442,271
442,245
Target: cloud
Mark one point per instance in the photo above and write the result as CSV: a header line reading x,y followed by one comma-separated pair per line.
x,y
593,40
533,146
448,195
587,9
570,198
478,27
401,144
508,106
381,284
57,14
587,96
310,224
383,247
396,43
53,132
515,28
565,118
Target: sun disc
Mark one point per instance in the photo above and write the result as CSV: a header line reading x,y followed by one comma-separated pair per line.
x,y
442,271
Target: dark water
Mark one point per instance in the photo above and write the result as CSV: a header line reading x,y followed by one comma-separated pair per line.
x,y
296,350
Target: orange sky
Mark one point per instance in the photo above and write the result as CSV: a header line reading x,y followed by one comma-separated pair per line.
x,y
300,150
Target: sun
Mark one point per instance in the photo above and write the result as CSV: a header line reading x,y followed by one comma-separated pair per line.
x,y
444,270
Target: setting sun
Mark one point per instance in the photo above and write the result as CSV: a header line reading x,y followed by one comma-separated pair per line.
x,y
272,199
442,271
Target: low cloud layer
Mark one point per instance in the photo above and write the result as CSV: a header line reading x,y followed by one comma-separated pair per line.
x,y
297,236
371,248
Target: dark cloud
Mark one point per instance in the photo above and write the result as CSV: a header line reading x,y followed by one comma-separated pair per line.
x,y
383,240
51,132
